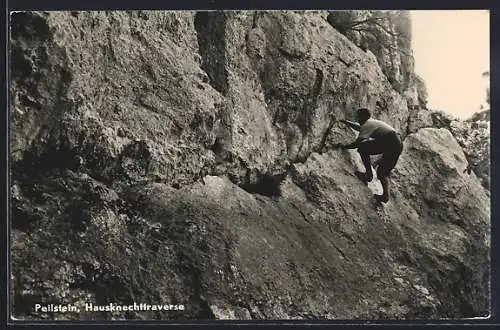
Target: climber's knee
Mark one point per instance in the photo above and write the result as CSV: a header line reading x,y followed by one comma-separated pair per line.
x,y
386,164
363,149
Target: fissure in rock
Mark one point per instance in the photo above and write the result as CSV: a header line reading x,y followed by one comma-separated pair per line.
x,y
210,28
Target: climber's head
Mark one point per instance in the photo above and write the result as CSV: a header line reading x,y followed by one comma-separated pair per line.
x,y
363,115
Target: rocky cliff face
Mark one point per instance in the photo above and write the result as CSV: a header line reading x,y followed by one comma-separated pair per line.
x,y
180,157
386,34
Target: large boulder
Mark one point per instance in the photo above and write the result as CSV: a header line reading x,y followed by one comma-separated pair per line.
x,y
472,134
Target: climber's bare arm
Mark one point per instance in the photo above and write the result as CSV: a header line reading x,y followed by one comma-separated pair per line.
x,y
352,145
351,124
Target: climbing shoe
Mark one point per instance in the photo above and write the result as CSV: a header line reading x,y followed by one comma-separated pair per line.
x,y
364,177
381,198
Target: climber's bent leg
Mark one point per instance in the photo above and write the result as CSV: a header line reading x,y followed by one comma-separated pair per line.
x,y
365,149
365,158
384,198
387,164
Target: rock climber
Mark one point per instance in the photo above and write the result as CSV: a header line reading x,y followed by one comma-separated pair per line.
x,y
375,137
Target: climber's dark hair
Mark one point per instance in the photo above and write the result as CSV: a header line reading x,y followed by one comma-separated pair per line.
x,y
364,113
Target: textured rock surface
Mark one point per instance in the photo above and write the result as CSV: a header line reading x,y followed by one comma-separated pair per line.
x,y
386,34
420,118
177,158
472,134
129,89
423,96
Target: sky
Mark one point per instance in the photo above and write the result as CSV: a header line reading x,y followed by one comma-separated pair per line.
x,y
451,51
